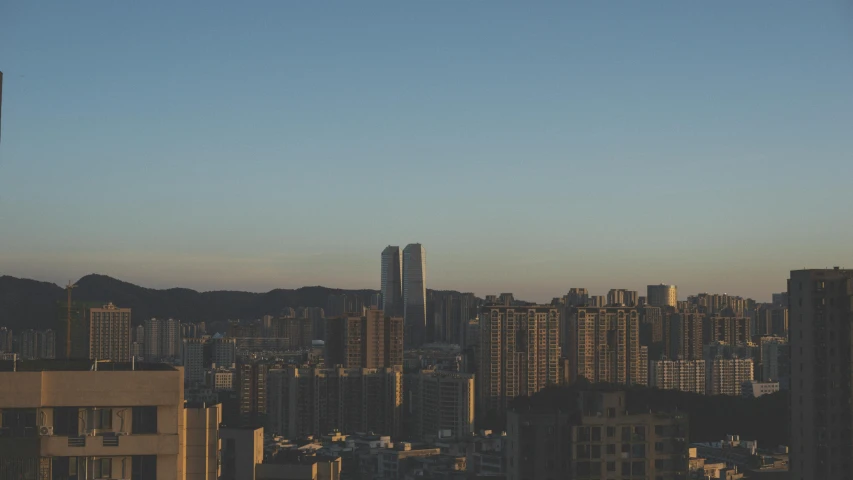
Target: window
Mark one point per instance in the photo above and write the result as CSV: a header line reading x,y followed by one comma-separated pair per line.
x,y
611,466
144,420
611,413
611,431
596,451
583,434
658,430
626,434
103,468
658,464
638,450
596,434
638,469
611,449
626,469
640,432
99,419
658,447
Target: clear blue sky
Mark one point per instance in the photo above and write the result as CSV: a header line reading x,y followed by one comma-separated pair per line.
x,y
531,147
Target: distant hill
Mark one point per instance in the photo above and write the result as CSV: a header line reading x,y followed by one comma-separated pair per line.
x,y
28,303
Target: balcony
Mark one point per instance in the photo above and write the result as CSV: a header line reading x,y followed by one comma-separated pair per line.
x,y
109,445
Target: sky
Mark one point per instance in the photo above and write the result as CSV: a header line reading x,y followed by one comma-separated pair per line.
x,y
530,148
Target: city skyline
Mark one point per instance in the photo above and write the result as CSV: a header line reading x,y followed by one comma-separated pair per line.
x,y
222,152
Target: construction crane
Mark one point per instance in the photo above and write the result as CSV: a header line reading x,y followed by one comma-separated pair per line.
x,y
68,322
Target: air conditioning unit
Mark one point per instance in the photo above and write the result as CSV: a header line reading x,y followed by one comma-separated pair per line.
x,y
44,430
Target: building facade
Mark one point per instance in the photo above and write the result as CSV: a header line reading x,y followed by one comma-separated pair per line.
x,y
67,420
726,375
519,353
607,344
443,404
662,295
596,437
821,339
315,401
414,294
373,340
684,375
109,333
391,286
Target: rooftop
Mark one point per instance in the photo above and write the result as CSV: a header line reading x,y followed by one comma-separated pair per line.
x,y
80,366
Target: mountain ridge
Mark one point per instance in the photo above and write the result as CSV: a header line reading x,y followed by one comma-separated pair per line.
x,y
27,303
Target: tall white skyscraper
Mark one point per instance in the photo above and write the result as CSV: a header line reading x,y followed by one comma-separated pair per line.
x,y
392,277
414,293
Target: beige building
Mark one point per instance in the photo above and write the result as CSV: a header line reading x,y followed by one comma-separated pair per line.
x,y
821,338
519,353
595,436
662,295
726,376
444,402
606,342
109,333
684,375
61,419
314,401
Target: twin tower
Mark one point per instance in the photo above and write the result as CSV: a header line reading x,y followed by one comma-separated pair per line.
x,y
404,289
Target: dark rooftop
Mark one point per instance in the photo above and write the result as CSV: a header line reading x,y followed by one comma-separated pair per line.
x,y
80,366
298,457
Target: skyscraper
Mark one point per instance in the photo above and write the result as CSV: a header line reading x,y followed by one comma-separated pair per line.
x,y
444,401
392,281
414,293
662,295
109,333
821,339
519,353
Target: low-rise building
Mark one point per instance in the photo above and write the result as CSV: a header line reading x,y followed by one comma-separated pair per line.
x,y
754,389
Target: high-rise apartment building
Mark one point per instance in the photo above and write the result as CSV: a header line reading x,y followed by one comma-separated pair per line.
x,y
442,402
193,360
821,339
109,333
728,328
37,344
370,341
577,297
683,335
595,436
684,375
298,332
391,286
606,342
519,353
662,295
725,376
775,357
414,293
315,401
252,389
68,421
224,351
621,296
5,340
162,339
